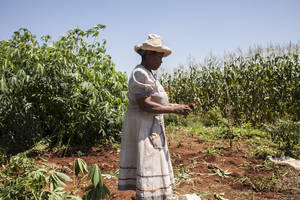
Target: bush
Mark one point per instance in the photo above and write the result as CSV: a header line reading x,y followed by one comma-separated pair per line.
x,y
175,120
67,90
214,118
286,134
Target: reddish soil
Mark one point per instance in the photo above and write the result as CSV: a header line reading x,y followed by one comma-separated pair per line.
x,y
188,156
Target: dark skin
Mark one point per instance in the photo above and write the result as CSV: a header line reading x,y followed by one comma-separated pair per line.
x,y
152,61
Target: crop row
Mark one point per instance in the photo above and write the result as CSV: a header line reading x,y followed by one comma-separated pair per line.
x,y
254,89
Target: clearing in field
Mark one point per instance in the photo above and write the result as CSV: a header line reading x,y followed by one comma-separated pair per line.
x,y
203,163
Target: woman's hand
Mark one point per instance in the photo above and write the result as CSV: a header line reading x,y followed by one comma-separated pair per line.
x,y
147,105
181,109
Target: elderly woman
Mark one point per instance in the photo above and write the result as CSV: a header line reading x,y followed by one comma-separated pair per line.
x,y
145,164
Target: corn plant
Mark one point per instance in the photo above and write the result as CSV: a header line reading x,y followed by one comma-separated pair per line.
x,y
259,89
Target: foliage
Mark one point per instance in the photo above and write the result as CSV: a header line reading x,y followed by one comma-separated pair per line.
x,y
21,178
258,89
212,150
203,194
263,183
182,173
67,90
286,134
172,119
214,118
219,196
222,174
97,190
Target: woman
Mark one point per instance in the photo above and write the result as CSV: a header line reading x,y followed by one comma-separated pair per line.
x,y
145,164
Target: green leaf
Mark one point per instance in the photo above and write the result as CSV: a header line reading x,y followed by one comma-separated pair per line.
x,y
95,176
3,85
80,166
63,177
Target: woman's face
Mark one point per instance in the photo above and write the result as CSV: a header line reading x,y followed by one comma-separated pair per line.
x,y
154,59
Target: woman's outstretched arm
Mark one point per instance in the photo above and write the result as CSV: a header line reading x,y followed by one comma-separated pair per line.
x,y
147,105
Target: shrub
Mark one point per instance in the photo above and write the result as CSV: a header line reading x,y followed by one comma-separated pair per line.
x,y
286,134
214,118
67,90
172,119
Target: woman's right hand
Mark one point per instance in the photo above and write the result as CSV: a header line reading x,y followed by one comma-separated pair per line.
x,y
181,109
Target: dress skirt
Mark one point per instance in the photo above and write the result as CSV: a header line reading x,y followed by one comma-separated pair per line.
x,y
143,167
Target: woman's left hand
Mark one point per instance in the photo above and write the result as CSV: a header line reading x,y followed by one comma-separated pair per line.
x,y
181,109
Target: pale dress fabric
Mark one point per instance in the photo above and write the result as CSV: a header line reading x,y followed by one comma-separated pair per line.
x,y
144,167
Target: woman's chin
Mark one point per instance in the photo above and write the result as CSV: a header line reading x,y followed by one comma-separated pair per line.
x,y
156,68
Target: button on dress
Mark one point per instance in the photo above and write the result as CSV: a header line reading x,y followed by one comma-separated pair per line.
x,y
145,164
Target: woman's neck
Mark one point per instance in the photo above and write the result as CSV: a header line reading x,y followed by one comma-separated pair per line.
x,y
145,64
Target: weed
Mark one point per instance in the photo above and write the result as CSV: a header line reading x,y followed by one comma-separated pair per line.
x,y
207,138
269,164
222,174
190,145
286,134
263,151
262,183
246,164
219,196
175,120
210,134
214,118
267,183
261,147
198,140
203,194
212,150
183,173
237,147
179,144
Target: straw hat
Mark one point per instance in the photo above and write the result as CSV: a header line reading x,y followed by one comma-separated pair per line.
x,y
153,43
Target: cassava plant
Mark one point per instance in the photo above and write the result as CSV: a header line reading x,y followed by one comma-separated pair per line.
x,y
22,179
67,90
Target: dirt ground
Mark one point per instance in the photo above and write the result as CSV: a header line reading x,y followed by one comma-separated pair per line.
x,y
196,170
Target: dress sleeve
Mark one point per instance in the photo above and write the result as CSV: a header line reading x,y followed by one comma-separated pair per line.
x,y
141,85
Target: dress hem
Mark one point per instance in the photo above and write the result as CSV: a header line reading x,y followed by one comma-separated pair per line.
x,y
127,187
158,197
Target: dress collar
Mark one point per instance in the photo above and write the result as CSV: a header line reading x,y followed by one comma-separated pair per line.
x,y
150,71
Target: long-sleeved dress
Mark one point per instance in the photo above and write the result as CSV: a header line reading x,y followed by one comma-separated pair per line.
x,y
145,164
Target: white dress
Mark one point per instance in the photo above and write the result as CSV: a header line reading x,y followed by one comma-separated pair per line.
x,y
145,164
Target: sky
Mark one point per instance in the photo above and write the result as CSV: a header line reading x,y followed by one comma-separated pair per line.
x,y
191,28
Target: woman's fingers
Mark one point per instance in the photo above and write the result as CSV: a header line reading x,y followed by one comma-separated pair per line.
x,y
188,110
183,109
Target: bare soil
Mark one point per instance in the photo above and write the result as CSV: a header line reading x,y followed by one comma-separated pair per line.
x,y
196,169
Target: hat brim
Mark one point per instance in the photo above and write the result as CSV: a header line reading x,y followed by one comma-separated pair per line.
x,y
162,49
